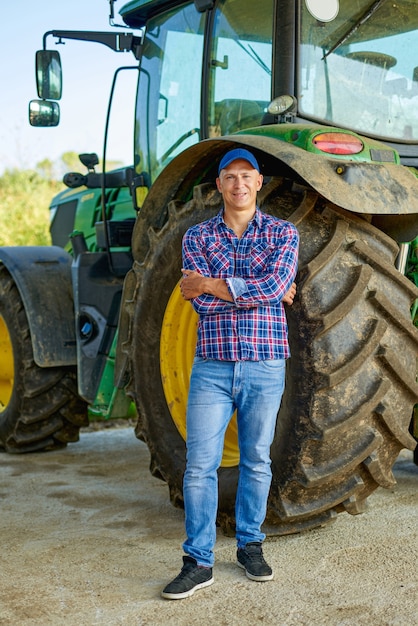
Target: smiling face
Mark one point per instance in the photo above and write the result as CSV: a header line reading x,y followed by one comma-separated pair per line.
x,y
238,183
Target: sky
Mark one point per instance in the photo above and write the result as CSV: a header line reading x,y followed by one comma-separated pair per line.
x,y
88,70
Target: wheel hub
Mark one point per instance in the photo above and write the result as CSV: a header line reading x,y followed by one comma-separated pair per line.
x,y
177,345
6,365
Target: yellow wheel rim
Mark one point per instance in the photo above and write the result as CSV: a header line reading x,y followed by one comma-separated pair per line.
x,y
6,366
177,347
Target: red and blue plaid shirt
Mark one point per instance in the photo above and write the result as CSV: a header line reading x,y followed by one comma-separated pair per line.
x,y
259,269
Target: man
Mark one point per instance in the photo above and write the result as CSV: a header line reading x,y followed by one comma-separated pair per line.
x,y
238,270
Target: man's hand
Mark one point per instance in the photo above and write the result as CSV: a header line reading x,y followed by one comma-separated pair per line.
x,y
191,284
194,284
290,295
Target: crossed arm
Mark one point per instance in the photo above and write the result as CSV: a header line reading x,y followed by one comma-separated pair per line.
x,y
194,284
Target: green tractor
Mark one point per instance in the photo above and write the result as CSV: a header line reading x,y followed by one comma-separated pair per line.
x,y
326,96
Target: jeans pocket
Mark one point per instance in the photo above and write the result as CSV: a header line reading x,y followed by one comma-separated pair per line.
x,y
273,364
199,359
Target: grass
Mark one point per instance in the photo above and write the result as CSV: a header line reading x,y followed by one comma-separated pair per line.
x,y
25,196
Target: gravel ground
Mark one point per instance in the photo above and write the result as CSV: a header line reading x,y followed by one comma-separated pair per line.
x,y
89,538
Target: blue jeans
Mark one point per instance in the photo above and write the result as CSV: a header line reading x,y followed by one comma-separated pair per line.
x,y
217,388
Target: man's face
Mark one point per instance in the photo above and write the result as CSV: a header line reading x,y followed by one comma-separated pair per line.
x,y
238,183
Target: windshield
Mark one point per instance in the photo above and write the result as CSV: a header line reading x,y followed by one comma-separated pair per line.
x,y
359,69
240,65
169,106
168,109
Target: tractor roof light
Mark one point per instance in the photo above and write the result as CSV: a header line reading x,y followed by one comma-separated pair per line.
x,y
338,143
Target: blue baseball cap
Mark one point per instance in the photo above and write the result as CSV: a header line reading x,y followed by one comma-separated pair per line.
x,y
238,153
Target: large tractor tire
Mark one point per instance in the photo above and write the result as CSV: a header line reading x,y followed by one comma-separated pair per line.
x,y
39,407
351,379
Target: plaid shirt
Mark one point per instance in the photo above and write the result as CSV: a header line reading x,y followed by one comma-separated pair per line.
x,y
259,269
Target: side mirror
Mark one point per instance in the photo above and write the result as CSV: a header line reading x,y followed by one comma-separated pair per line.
x,y
44,113
48,74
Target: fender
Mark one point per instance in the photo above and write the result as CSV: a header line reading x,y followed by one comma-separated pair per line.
x,y
43,277
385,192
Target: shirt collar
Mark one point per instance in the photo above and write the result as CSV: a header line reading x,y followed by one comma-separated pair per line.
x,y
257,219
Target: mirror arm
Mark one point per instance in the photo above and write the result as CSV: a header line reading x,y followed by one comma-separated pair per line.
x,y
119,42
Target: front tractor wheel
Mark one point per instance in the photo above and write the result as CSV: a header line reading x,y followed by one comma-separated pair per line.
x,y
350,384
39,407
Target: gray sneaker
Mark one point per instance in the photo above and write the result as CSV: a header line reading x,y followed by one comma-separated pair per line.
x,y
191,578
251,559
